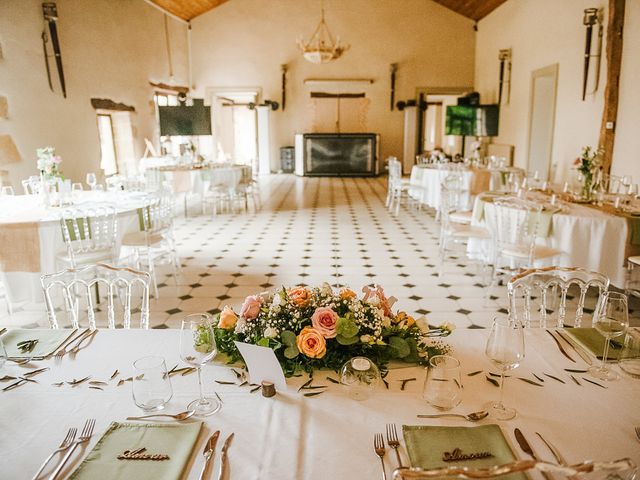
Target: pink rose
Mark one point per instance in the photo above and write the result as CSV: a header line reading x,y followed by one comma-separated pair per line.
x,y
251,307
324,321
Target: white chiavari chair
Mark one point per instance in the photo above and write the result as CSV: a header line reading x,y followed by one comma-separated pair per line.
x,y
221,190
455,235
515,225
125,295
398,187
544,297
89,234
154,243
623,469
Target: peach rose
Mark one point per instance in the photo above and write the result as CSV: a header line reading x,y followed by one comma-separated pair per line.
x,y
228,318
251,307
347,294
299,296
324,320
311,342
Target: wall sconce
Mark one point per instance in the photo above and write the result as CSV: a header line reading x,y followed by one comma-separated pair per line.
x,y
283,98
592,16
504,56
393,68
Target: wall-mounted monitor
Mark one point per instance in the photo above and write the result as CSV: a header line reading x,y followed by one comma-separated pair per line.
x,y
470,120
184,120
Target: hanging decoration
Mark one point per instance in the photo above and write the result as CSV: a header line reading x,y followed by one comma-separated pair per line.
x,y
50,12
590,19
322,47
505,64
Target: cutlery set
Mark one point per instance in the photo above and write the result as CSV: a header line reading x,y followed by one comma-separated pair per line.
x,y
209,453
68,446
392,441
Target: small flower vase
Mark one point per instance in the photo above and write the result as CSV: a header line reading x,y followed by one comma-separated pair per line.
x,y
44,191
587,187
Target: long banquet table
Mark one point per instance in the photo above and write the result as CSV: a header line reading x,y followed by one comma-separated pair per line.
x,y
330,435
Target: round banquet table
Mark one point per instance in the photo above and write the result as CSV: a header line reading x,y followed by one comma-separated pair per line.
x,y
589,238
25,219
290,436
425,183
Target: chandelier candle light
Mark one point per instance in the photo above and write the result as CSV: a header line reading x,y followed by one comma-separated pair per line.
x,y
321,47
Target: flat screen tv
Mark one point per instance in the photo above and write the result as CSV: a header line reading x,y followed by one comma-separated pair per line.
x,y
472,120
184,120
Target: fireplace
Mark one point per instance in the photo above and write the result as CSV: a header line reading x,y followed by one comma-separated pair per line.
x,y
337,154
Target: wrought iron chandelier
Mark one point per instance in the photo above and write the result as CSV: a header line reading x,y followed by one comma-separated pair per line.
x,y
321,47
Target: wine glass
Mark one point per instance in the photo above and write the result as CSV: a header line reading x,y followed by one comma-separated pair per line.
x,y
198,347
610,319
91,180
505,348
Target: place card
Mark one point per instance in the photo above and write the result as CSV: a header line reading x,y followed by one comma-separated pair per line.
x,y
262,364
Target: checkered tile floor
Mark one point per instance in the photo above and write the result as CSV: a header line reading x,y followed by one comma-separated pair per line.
x,y
314,230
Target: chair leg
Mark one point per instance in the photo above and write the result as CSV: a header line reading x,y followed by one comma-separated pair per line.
x,y
152,272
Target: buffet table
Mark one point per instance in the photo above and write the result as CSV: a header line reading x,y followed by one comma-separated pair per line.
x,y
28,229
291,436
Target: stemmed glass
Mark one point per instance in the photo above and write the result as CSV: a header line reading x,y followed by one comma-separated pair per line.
x,y
505,348
610,319
92,180
198,347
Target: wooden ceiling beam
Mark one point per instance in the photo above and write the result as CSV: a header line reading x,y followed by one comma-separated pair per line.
x,y
473,9
186,10
611,93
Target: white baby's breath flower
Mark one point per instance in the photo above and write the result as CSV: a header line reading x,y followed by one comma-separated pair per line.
x,y
270,332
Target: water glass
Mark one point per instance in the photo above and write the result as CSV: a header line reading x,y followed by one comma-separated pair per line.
x,y
361,377
443,385
91,180
630,355
7,190
151,384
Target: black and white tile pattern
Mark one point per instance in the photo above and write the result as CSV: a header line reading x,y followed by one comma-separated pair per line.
x,y
315,230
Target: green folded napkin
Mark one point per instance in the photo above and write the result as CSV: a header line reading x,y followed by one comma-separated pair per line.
x,y
176,441
48,341
427,445
593,341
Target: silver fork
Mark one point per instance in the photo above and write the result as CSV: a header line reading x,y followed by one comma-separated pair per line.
x,y
378,446
638,432
67,348
392,440
85,435
66,443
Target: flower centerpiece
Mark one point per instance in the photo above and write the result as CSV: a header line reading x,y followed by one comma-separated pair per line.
x,y
312,328
48,163
589,164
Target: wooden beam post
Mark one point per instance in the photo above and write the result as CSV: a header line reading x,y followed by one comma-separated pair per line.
x,y
614,62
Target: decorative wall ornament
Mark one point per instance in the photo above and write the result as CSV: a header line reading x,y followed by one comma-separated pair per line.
x,y
504,56
393,68
592,16
321,47
283,98
50,12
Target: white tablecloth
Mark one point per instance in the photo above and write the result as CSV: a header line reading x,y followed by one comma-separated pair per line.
x,y
328,436
589,238
197,180
25,286
426,184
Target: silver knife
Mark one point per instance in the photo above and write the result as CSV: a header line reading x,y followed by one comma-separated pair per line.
x,y
209,450
556,454
223,456
560,347
526,448
576,347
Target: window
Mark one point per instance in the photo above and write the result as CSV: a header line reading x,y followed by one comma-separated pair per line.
x,y
108,162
